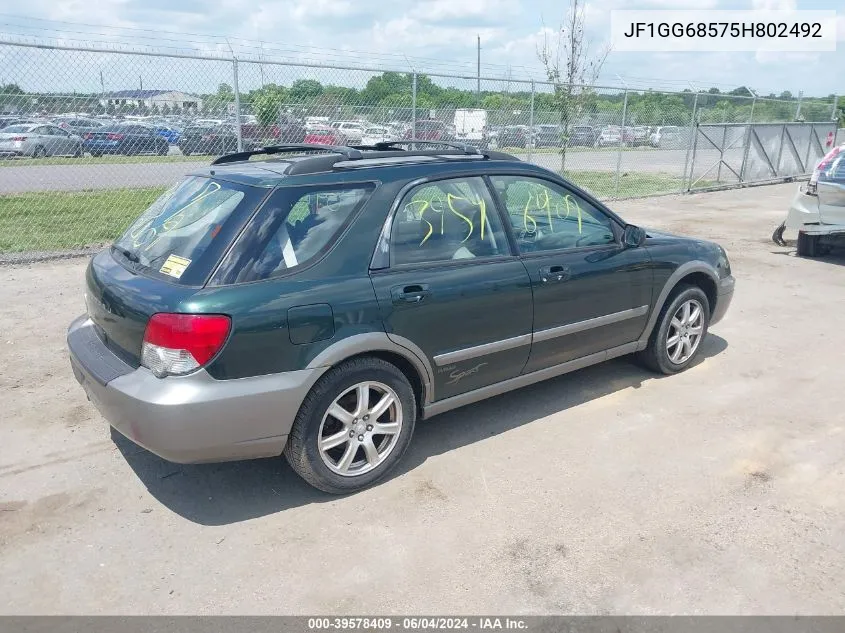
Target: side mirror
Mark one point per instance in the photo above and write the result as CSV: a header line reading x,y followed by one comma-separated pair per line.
x,y
633,236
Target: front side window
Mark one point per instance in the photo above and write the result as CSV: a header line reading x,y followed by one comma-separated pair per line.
x,y
546,216
446,220
295,226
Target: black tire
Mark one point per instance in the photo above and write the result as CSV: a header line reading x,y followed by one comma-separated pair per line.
x,y
302,451
185,152
656,355
96,154
39,152
163,149
79,153
808,245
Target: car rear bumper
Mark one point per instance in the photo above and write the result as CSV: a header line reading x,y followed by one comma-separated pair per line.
x,y
193,418
725,294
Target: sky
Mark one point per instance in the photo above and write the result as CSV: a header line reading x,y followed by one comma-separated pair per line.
x,y
427,35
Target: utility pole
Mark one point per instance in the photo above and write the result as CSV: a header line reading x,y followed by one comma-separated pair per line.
x,y
141,81
478,71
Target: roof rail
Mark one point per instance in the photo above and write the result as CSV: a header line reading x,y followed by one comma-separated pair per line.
x,y
388,145
350,153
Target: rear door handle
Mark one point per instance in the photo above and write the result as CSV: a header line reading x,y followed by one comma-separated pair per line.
x,y
412,293
555,273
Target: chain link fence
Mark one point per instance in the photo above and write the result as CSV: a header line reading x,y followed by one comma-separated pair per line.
x,y
93,135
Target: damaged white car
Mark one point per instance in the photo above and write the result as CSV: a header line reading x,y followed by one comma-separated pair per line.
x,y
817,211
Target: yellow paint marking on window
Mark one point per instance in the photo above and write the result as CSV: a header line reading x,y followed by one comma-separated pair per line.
x,y
527,216
449,199
425,205
567,200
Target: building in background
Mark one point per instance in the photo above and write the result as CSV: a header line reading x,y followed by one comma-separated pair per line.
x,y
151,99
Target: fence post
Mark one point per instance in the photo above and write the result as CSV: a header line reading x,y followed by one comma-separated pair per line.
x,y
693,133
722,151
414,109
237,103
621,143
531,126
834,113
751,116
798,109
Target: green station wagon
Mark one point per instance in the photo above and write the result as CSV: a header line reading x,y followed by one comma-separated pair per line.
x,y
319,303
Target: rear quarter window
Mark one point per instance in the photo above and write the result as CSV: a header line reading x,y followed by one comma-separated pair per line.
x,y
295,227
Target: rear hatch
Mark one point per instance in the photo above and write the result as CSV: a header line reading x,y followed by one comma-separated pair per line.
x,y
164,258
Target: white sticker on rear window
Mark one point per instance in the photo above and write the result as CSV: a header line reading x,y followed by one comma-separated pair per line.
x,y
174,266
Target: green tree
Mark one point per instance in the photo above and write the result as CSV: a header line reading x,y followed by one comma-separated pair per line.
x,y
304,90
267,103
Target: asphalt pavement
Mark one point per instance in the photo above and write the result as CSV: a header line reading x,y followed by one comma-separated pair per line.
x,y
89,173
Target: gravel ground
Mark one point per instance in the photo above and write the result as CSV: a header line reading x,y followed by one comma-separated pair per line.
x,y
610,490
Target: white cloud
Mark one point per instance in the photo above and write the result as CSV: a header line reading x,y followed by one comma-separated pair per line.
x,y
774,5
440,10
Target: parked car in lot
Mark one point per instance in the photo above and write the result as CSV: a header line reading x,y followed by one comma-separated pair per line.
x,y
353,131
514,136
637,136
126,138
77,125
287,129
376,134
319,305
169,133
666,136
428,130
817,211
585,135
38,140
325,135
609,136
547,136
213,139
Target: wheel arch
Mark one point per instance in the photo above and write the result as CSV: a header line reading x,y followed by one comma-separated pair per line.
x,y
695,273
398,351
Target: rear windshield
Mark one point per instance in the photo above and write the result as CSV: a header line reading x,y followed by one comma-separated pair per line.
x,y
182,235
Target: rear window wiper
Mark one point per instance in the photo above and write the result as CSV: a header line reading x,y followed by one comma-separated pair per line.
x,y
132,257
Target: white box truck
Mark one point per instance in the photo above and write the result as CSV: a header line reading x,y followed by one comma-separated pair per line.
x,y
471,126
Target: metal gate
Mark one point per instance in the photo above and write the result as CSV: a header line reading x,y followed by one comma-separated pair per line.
x,y
727,154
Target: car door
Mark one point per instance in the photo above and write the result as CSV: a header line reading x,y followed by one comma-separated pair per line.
x,y
43,138
447,282
830,189
63,142
590,292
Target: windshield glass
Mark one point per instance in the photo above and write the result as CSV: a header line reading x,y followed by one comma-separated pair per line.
x,y
17,128
172,236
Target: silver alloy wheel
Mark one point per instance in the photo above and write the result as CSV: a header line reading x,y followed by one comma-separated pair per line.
x,y
685,330
360,429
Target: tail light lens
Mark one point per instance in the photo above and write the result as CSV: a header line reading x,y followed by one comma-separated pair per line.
x,y
824,164
18,138
88,136
115,137
176,344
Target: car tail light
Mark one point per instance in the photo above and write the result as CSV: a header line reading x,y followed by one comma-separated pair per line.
x,y
209,137
824,164
176,344
18,138
115,137
88,136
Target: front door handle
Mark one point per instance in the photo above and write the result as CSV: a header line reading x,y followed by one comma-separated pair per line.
x,y
550,274
412,293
